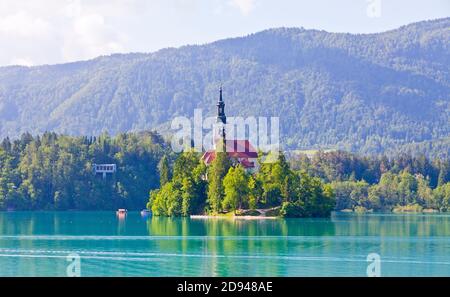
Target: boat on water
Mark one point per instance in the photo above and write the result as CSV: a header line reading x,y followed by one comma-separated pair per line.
x,y
146,213
121,212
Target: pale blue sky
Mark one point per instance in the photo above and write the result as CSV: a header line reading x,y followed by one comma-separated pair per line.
x,y
55,31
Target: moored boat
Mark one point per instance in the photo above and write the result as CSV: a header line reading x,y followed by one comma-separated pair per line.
x,y
146,213
121,211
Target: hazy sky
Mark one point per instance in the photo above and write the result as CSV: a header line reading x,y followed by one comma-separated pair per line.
x,y
34,32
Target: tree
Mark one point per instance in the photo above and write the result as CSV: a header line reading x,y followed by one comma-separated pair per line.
x,y
312,198
274,179
425,195
185,163
444,173
236,188
255,192
186,190
407,188
317,199
385,194
55,172
164,171
350,194
442,197
216,172
188,197
166,201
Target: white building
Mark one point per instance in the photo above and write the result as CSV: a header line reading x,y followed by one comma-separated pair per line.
x,y
104,169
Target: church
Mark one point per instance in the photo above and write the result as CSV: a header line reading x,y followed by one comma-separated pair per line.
x,y
240,151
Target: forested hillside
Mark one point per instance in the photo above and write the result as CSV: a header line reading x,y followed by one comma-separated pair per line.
x,y
51,171
368,93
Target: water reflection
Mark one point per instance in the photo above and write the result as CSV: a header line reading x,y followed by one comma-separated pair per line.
x,y
35,243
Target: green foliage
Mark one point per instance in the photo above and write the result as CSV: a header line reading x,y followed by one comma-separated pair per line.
x,y
344,166
255,192
236,188
185,193
350,194
442,197
400,192
164,171
276,181
292,209
371,93
299,194
413,207
55,171
231,188
317,199
378,183
166,201
216,173
188,194
393,189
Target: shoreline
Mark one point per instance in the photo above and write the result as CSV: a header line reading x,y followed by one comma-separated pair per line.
x,y
400,210
243,217
207,217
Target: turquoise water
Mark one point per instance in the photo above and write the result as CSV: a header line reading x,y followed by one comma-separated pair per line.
x,y
38,243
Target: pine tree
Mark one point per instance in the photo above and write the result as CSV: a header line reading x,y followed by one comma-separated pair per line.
x,y
164,171
188,195
444,174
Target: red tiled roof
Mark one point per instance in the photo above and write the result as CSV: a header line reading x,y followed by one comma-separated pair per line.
x,y
247,164
239,149
208,157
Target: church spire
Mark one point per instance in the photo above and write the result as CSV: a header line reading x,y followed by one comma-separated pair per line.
x,y
221,118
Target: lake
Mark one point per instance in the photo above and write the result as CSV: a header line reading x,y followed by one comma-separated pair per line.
x,y
38,244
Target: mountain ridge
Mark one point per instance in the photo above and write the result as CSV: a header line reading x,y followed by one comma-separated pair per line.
x,y
422,22
361,92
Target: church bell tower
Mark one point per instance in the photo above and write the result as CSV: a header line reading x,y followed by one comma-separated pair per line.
x,y
221,118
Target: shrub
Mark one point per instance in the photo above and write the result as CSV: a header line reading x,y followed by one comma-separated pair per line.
x,y
291,210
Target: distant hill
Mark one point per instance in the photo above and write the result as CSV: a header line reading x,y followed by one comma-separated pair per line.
x,y
368,93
